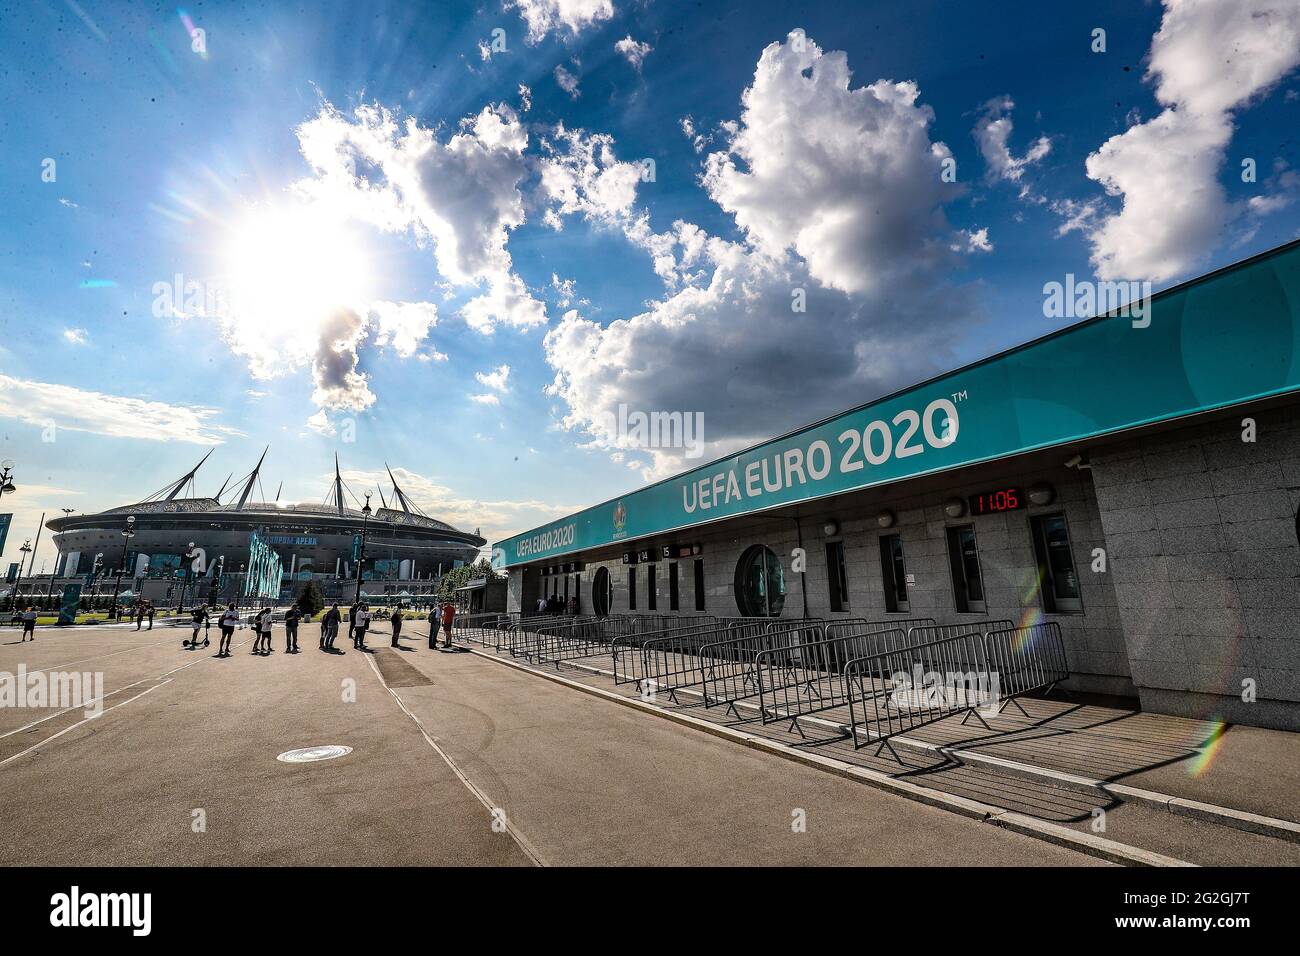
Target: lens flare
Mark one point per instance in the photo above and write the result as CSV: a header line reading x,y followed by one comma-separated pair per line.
x,y
1202,762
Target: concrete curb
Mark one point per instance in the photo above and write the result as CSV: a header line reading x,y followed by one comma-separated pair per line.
x,y
1210,812
1224,816
1087,843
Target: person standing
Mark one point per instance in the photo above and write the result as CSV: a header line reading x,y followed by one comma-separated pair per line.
x,y
353,611
262,632
362,625
139,614
396,620
229,621
448,616
150,613
197,619
291,619
435,622
29,623
329,628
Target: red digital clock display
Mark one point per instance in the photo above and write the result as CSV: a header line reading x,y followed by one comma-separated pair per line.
x,y
991,502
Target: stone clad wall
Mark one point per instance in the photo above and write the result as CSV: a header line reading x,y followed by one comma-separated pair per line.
x,y
1202,535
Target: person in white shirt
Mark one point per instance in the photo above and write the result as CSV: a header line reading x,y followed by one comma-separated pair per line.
x,y
229,621
361,625
29,624
262,625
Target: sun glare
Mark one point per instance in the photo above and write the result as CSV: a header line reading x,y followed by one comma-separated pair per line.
x,y
293,266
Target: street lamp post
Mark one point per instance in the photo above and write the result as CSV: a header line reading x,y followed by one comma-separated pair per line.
x,y
128,533
25,549
7,486
189,556
361,557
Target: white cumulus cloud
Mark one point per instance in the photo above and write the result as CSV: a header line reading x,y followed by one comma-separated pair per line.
x,y
497,379
993,134
840,198
1207,61
633,51
116,416
847,177
573,16
462,195
567,81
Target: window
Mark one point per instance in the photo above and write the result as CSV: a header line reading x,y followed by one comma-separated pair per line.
x,y
673,594
837,576
631,589
967,583
602,592
760,582
652,588
894,573
699,584
1059,582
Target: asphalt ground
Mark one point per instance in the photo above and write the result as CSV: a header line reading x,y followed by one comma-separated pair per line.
x,y
456,760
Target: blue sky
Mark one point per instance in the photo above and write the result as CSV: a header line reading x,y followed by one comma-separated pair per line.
x,y
381,284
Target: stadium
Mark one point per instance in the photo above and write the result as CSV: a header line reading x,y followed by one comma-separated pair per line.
x,y
405,549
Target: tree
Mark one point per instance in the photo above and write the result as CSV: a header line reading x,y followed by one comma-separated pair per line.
x,y
310,600
459,577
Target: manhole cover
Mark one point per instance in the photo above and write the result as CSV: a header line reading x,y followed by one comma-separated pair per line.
x,y
308,754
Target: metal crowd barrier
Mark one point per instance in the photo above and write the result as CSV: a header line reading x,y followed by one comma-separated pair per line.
x,y
547,637
1026,660
523,636
628,651
891,692
483,628
585,638
804,679
863,634
672,662
729,666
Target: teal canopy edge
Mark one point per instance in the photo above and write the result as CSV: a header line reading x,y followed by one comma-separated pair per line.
x,y
1219,340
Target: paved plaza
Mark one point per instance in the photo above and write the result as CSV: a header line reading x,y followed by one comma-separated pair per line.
x,y
474,758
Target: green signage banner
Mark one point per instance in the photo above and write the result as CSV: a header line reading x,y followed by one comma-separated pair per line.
x,y
5,522
71,601
1226,338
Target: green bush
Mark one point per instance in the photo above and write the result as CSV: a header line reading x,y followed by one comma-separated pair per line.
x,y
310,601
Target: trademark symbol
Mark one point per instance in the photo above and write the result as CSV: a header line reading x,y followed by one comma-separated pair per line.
x,y
959,396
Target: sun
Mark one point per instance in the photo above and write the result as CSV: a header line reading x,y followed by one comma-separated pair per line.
x,y
291,266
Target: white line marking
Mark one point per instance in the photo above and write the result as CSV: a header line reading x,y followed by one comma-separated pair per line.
x,y
523,843
65,730
112,693
97,657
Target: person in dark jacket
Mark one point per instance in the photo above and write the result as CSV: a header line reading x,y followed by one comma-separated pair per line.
x,y
396,620
291,619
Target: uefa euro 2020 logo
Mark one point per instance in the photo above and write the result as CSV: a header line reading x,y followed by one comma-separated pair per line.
x,y
620,517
